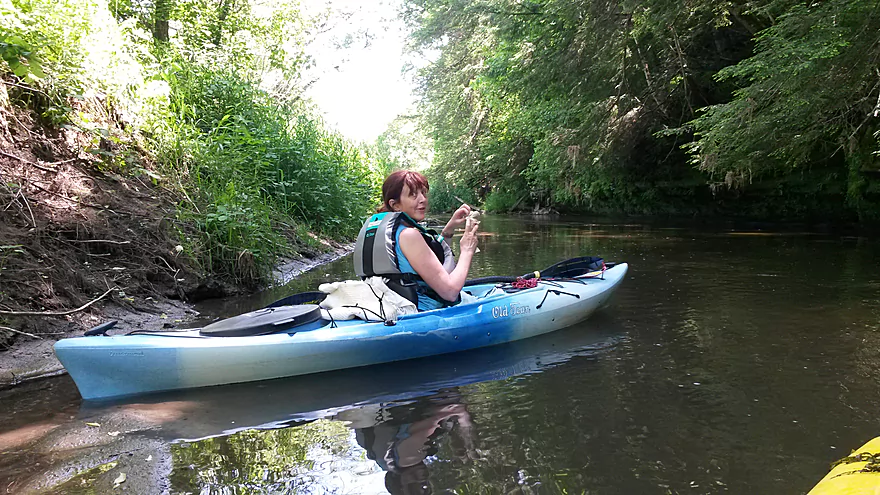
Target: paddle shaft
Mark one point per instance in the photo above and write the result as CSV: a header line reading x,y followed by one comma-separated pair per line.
x,y
559,269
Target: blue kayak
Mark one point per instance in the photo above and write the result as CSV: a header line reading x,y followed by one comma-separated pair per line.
x,y
271,404
123,365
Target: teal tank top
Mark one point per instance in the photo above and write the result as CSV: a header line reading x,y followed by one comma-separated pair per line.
x,y
425,303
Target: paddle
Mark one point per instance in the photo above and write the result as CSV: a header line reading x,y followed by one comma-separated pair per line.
x,y
563,269
569,268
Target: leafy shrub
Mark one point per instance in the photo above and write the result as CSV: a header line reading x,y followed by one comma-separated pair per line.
x,y
500,200
250,163
445,196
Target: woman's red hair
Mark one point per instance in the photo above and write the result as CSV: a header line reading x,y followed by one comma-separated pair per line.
x,y
392,188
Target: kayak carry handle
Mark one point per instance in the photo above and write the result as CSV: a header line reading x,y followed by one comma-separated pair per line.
x,y
298,299
101,329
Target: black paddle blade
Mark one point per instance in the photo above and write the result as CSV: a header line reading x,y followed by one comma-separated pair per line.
x,y
564,269
101,329
570,268
301,298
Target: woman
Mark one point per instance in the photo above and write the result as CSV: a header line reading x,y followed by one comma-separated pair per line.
x,y
418,263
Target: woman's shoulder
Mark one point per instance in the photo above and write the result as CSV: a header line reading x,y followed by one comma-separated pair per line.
x,y
410,234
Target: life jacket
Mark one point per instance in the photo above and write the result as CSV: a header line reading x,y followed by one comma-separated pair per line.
x,y
375,253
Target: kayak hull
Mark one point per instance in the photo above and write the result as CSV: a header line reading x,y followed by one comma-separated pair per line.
x,y
855,474
122,365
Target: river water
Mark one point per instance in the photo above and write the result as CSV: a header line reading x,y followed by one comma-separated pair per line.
x,y
733,359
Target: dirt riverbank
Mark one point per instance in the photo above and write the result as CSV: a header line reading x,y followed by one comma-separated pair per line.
x,y
73,446
32,358
84,241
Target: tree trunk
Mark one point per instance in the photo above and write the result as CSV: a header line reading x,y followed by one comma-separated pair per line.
x,y
160,19
222,14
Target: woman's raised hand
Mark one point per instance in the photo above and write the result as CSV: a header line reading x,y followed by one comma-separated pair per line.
x,y
457,220
468,241
460,215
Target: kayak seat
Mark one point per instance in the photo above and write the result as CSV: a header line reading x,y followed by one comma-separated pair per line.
x,y
263,321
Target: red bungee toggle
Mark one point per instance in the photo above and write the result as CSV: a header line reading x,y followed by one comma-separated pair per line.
x,y
521,283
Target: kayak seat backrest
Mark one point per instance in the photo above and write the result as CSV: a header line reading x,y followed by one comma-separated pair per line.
x,y
264,321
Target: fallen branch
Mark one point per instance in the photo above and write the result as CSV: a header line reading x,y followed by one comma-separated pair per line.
x,y
20,332
520,200
59,313
26,203
84,203
104,241
19,193
7,155
29,88
62,162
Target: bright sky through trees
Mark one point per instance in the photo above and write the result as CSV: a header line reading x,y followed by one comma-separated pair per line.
x,y
360,86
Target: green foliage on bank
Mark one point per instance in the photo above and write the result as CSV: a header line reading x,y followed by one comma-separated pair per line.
x,y
212,109
257,165
257,461
655,106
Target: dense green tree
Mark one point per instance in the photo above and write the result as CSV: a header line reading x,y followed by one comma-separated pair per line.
x,y
587,104
809,95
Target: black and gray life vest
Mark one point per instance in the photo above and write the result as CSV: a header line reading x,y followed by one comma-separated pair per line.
x,y
375,252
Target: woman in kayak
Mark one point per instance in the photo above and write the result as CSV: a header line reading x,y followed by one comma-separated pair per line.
x,y
418,262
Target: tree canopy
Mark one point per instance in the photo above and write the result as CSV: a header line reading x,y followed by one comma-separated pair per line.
x,y
654,105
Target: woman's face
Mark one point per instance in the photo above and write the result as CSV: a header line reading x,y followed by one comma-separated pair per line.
x,y
414,204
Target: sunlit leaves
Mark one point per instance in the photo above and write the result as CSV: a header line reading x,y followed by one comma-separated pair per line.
x,y
20,57
257,461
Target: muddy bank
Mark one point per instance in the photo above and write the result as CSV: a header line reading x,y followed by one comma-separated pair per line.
x,y
84,241
32,358
288,269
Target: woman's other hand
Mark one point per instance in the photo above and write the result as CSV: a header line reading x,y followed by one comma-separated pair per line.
x,y
458,219
460,215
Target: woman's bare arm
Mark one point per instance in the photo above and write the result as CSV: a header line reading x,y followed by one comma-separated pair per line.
x,y
426,264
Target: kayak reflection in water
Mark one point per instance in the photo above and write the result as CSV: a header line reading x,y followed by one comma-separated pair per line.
x,y
406,435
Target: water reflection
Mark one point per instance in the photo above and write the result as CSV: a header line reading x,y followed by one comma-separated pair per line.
x,y
402,439
288,460
293,435
217,411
